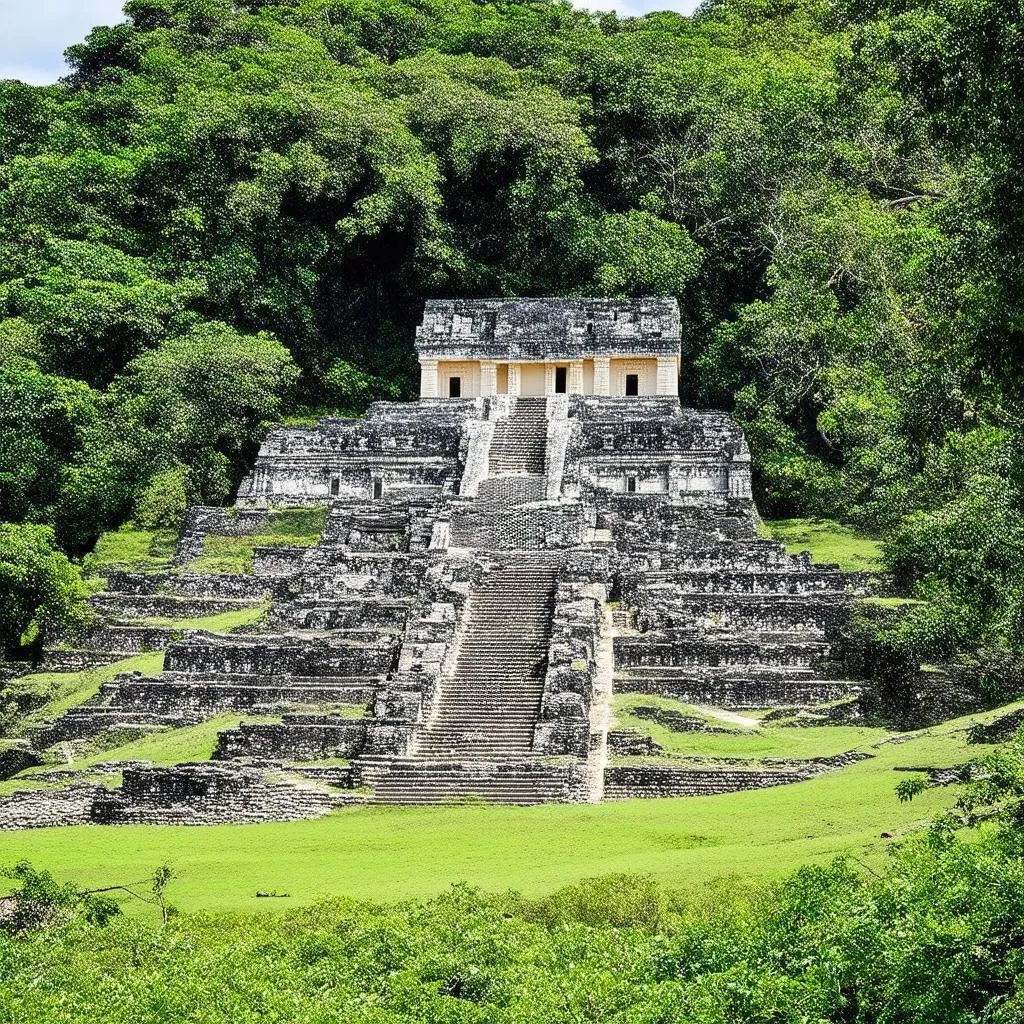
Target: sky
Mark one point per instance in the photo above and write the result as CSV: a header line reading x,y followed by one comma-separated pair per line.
x,y
34,33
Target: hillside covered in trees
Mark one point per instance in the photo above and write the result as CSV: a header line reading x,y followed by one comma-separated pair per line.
x,y
233,212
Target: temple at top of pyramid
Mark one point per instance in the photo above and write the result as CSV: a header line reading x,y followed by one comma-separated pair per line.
x,y
470,348
545,528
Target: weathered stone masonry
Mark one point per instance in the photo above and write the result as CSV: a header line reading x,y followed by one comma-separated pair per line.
x,y
445,635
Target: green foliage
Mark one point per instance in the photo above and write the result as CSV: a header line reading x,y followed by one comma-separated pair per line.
x,y
165,500
639,254
44,423
41,592
353,389
622,901
39,901
964,559
222,195
92,306
934,937
994,791
199,401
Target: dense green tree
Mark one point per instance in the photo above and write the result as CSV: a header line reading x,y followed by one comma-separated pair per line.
x,y
830,188
200,401
40,590
44,423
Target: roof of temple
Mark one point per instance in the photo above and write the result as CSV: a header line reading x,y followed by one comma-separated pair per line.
x,y
524,329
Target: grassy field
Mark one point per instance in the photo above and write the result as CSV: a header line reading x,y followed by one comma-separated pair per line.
x,y
765,741
395,853
827,541
233,555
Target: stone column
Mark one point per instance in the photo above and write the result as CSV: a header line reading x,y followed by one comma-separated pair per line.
x,y
602,375
514,379
667,380
549,379
739,482
576,378
488,378
428,378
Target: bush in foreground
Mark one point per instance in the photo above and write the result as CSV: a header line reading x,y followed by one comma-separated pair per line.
x,y
935,939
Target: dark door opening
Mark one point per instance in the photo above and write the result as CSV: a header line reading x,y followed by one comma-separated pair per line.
x,y
454,387
335,486
631,484
378,489
561,380
632,384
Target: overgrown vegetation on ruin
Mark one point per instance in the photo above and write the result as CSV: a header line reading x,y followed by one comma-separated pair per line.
x,y
231,212
389,853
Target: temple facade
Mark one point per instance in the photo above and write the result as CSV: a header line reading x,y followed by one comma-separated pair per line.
x,y
546,529
472,348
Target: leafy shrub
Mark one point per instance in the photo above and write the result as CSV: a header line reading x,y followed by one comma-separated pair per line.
x,y
166,499
39,901
41,592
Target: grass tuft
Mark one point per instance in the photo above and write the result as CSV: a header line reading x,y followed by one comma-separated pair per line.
x,y
827,541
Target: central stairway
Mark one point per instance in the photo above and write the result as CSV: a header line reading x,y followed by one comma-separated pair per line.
x,y
519,444
487,710
478,742
515,477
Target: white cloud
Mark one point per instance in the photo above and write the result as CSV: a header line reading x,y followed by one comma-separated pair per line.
x,y
635,8
35,33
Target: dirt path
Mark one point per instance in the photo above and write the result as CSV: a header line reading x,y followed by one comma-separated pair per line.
x,y
730,716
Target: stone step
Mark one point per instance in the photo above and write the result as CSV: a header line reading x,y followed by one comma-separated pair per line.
x,y
488,707
434,781
60,660
736,692
171,606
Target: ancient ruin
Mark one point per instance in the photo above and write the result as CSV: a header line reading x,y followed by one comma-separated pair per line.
x,y
544,528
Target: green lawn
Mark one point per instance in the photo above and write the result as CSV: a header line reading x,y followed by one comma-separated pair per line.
x,y
222,622
63,690
394,853
133,548
766,741
233,555
827,541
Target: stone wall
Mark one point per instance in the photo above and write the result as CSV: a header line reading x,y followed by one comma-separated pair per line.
x,y
563,726
633,781
47,808
204,794
411,448
201,652
295,738
222,522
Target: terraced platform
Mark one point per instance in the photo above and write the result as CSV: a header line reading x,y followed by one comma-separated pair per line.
x,y
488,576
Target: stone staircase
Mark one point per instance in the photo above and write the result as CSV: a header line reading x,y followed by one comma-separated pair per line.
x,y
522,782
519,444
486,712
488,709
496,520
